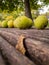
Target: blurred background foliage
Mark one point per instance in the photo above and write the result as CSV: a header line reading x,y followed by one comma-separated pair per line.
x,y
15,8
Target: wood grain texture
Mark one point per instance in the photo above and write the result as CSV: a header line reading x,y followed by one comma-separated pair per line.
x,y
14,57
1,60
36,43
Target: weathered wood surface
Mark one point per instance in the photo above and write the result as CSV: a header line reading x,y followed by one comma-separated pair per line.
x,y
37,51
30,32
13,34
1,60
36,43
42,35
14,57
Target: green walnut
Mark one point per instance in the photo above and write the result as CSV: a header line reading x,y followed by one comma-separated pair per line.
x,y
0,24
4,24
40,22
23,22
10,23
